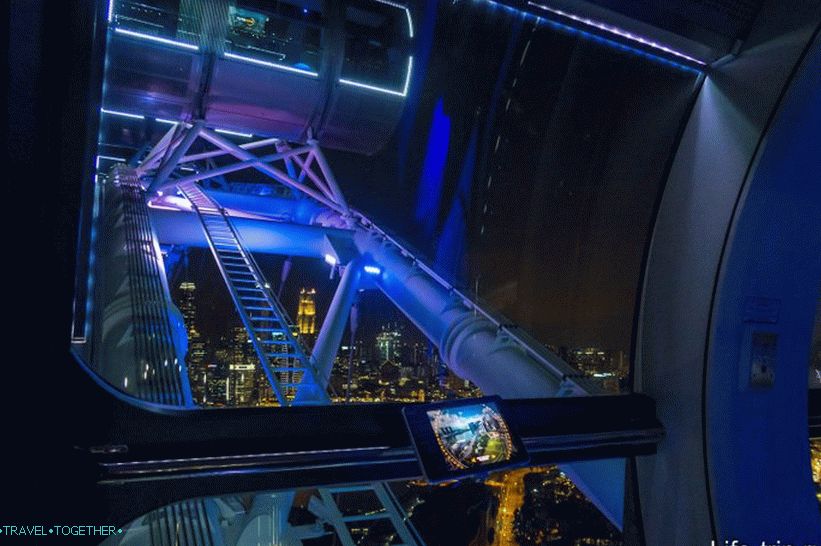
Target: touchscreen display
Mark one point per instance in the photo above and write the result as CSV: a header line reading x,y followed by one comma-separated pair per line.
x,y
471,436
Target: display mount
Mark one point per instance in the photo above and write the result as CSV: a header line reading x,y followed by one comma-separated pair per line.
x,y
462,438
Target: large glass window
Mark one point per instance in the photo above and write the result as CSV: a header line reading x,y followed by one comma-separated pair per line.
x,y
528,176
522,178
280,32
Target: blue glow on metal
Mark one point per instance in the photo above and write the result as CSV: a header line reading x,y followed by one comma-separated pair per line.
x,y
234,133
433,170
157,39
276,66
372,270
617,32
121,114
403,93
166,121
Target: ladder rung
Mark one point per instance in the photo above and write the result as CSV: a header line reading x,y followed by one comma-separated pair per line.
x,y
294,356
246,282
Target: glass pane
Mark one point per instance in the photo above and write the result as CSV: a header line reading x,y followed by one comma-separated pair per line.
x,y
520,185
279,32
525,506
375,38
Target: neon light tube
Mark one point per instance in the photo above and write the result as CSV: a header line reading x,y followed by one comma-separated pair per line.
x,y
234,133
121,114
617,31
271,65
157,39
403,93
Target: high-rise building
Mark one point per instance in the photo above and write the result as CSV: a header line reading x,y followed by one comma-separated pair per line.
x,y
242,365
389,344
306,316
196,356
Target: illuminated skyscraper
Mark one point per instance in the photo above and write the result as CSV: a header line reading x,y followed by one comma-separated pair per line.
x,y
389,344
196,356
241,369
306,316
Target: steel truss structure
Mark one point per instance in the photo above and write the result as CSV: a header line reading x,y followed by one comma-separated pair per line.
x,y
474,342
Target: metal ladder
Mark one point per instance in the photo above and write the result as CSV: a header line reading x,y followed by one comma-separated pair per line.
x,y
282,357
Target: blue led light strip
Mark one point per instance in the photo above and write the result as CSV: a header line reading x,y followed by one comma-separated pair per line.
x,y
407,13
157,39
121,114
403,93
617,32
268,64
234,133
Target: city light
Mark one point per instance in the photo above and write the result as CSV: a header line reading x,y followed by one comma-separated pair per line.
x,y
276,66
372,270
330,260
157,39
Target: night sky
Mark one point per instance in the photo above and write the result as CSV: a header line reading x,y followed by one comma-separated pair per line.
x,y
216,313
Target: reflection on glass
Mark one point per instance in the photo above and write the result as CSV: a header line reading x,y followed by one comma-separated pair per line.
x,y
279,32
375,52
535,188
170,19
527,506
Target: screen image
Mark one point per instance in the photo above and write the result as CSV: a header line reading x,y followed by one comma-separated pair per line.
x,y
472,436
